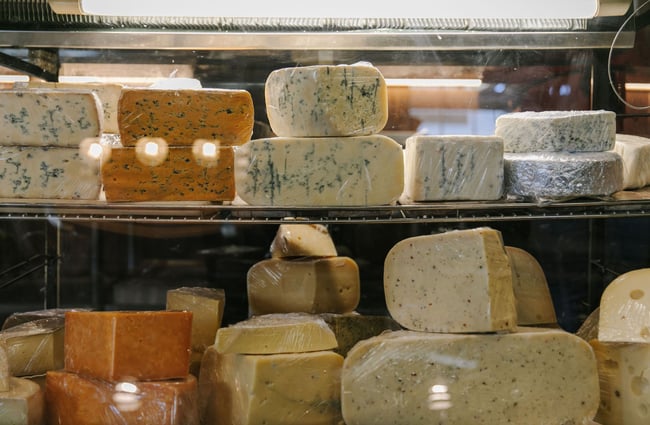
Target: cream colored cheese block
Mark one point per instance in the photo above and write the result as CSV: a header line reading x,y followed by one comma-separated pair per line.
x,y
276,334
319,285
534,376
623,369
532,295
326,100
353,327
319,171
34,347
302,240
456,281
624,307
274,389
21,401
635,151
206,305
451,168
49,117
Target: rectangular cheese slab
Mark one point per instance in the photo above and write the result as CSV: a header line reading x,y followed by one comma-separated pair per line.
x,y
635,151
40,172
274,389
318,285
49,117
34,347
326,100
456,281
185,115
179,177
302,240
534,376
334,171
142,345
557,131
453,168
79,400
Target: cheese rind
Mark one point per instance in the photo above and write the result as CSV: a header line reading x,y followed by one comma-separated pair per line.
x,y
353,327
534,376
319,285
557,131
635,152
448,168
302,240
624,307
326,100
34,347
352,171
456,281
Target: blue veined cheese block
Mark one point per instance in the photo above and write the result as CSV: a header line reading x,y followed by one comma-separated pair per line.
x,y
450,168
328,171
326,100
557,131
44,117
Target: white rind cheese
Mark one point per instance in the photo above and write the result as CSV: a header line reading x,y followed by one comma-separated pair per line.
x,y
624,307
532,377
336,171
635,151
557,131
449,168
325,100
563,175
458,281
49,117
302,240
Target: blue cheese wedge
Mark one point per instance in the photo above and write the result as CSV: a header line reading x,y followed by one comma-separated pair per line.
x,y
532,377
453,168
324,171
557,131
49,117
326,100
635,151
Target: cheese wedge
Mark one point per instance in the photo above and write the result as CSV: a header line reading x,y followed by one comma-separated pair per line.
x,y
624,307
635,151
302,240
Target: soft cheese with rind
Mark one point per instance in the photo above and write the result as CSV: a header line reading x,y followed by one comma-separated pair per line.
x,y
335,171
534,376
326,100
458,281
624,312
302,240
635,152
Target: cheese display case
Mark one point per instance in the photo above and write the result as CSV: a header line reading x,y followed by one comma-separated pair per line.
x,y
370,218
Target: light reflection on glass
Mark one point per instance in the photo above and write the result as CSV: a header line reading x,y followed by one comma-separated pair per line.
x,y
151,151
127,397
439,397
206,152
92,150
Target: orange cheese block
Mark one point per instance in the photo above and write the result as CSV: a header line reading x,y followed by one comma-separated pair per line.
x,y
183,116
142,345
180,176
76,400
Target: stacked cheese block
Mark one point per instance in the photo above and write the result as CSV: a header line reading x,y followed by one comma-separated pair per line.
x,y
327,150
124,368
463,358
178,144
557,155
635,152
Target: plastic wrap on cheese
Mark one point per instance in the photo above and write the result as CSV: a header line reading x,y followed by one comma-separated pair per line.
x,y
74,399
35,347
21,401
542,177
326,100
635,152
534,376
302,240
21,317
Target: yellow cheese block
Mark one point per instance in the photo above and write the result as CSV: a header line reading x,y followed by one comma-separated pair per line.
x,y
183,116
178,178
21,401
624,307
302,240
34,347
77,400
319,285
274,389
142,345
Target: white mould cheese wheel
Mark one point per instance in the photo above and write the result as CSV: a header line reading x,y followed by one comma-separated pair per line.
x,y
557,131
635,151
326,100
624,307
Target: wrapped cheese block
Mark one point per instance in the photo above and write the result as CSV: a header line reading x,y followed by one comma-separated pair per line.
x,y
558,176
73,399
180,117
326,100
302,240
635,151
456,281
624,307
534,376
452,168
276,334
18,318
48,173
178,177
34,347
532,295
318,285
61,118
350,171
557,131
353,327
274,389
116,345
21,401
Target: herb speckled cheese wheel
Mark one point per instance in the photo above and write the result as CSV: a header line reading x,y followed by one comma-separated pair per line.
x,y
326,100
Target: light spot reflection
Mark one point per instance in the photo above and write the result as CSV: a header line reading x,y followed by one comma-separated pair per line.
x,y
151,151
206,152
127,397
